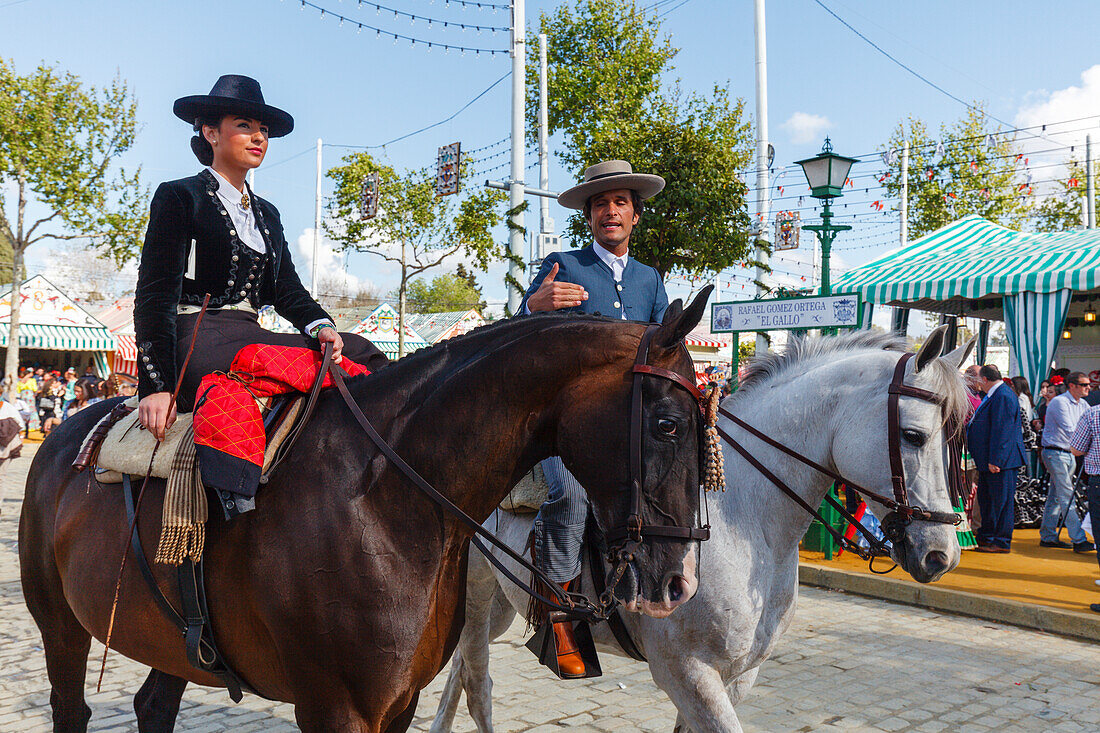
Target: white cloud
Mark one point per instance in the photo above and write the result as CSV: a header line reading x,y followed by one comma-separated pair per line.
x,y
331,264
804,127
1060,106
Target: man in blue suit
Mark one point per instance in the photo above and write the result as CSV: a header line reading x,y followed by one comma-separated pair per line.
x,y
600,278
996,442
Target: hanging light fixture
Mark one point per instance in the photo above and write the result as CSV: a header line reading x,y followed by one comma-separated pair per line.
x,y
1090,314
1067,334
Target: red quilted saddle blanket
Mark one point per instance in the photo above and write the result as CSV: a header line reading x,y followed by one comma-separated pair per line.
x,y
229,430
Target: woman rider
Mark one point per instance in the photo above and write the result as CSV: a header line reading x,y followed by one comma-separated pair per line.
x,y
210,234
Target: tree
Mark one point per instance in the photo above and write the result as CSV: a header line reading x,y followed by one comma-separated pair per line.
x,y
979,172
333,292
450,291
605,60
1061,210
59,141
414,228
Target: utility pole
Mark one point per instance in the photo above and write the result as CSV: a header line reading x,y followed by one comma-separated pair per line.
x,y
401,303
904,236
762,184
316,224
546,224
516,268
1090,187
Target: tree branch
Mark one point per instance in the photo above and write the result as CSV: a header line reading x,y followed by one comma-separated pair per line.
x,y
40,221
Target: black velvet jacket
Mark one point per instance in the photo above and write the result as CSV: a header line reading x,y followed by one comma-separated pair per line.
x,y
188,213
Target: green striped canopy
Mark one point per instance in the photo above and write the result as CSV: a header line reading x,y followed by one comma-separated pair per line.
x,y
974,258
60,338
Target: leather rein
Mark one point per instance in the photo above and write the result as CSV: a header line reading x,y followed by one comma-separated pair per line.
x,y
629,537
901,511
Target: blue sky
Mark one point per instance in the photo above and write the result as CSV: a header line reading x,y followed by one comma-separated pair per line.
x,y
1026,61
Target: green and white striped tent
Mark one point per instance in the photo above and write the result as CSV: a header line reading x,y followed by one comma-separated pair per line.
x,y
50,321
979,269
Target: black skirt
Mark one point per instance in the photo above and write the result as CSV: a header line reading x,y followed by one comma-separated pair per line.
x,y
225,332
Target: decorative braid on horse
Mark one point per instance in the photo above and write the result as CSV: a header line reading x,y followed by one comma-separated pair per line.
x,y
715,477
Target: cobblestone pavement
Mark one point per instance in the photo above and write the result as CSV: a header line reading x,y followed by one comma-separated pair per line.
x,y
847,663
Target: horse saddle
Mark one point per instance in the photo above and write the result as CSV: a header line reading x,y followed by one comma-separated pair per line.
x,y
118,444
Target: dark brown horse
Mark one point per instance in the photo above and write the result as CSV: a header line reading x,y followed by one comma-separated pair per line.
x,y
342,593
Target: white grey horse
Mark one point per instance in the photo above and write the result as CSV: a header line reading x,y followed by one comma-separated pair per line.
x,y
827,399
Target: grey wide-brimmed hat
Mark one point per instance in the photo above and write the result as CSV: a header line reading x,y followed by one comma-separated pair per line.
x,y
608,176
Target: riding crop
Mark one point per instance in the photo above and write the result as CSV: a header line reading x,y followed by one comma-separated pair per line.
x,y
141,493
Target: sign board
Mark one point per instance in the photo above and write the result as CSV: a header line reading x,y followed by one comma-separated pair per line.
x,y
824,311
787,226
446,169
40,303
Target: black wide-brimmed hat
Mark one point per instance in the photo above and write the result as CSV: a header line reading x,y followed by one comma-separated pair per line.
x,y
235,94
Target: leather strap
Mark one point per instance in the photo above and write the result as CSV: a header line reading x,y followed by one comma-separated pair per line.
x,y
303,419
202,653
634,530
841,540
893,431
566,602
614,619
680,379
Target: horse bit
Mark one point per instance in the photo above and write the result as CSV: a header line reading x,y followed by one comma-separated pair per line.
x,y
902,513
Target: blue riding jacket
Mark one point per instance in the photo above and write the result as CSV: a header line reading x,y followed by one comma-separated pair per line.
x,y
640,295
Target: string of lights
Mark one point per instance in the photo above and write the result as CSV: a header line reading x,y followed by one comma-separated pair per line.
x,y
414,17
380,32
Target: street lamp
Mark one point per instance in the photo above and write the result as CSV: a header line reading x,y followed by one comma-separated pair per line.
x,y
826,173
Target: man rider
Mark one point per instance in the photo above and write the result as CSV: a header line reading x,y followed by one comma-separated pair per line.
x,y
600,278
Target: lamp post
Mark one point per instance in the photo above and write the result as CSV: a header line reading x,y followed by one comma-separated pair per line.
x,y
826,173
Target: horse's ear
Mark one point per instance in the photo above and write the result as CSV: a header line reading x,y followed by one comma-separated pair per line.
x,y
932,348
675,308
959,356
674,329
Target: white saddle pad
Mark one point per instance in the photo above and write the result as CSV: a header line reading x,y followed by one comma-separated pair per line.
x,y
128,445
529,494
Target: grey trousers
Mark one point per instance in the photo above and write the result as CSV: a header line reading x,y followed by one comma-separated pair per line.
x,y
559,525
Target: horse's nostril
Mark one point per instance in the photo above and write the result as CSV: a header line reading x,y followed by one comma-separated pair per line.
x,y
676,588
935,560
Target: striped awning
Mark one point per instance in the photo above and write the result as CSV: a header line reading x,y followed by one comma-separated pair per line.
x,y
60,338
704,342
389,348
975,258
125,346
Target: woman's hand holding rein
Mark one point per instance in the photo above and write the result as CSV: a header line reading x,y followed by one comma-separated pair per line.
x,y
327,335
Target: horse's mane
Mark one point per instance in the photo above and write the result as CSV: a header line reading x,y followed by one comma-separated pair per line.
x,y
802,353
437,362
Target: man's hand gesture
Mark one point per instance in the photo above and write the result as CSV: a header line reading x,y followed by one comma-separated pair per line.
x,y
553,295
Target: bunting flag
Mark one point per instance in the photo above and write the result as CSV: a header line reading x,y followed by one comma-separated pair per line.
x,y
877,206
889,156
1074,183
939,149
990,141
974,166
930,173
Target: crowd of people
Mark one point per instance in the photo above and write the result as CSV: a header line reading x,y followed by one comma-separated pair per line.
x,y
46,397
1013,437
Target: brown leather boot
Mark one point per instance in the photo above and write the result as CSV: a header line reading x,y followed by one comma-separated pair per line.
x,y
570,664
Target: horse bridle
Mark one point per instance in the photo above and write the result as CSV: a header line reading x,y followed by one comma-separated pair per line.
x,y
628,538
901,511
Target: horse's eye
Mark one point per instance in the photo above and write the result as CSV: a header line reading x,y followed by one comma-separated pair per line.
x,y
668,427
914,437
